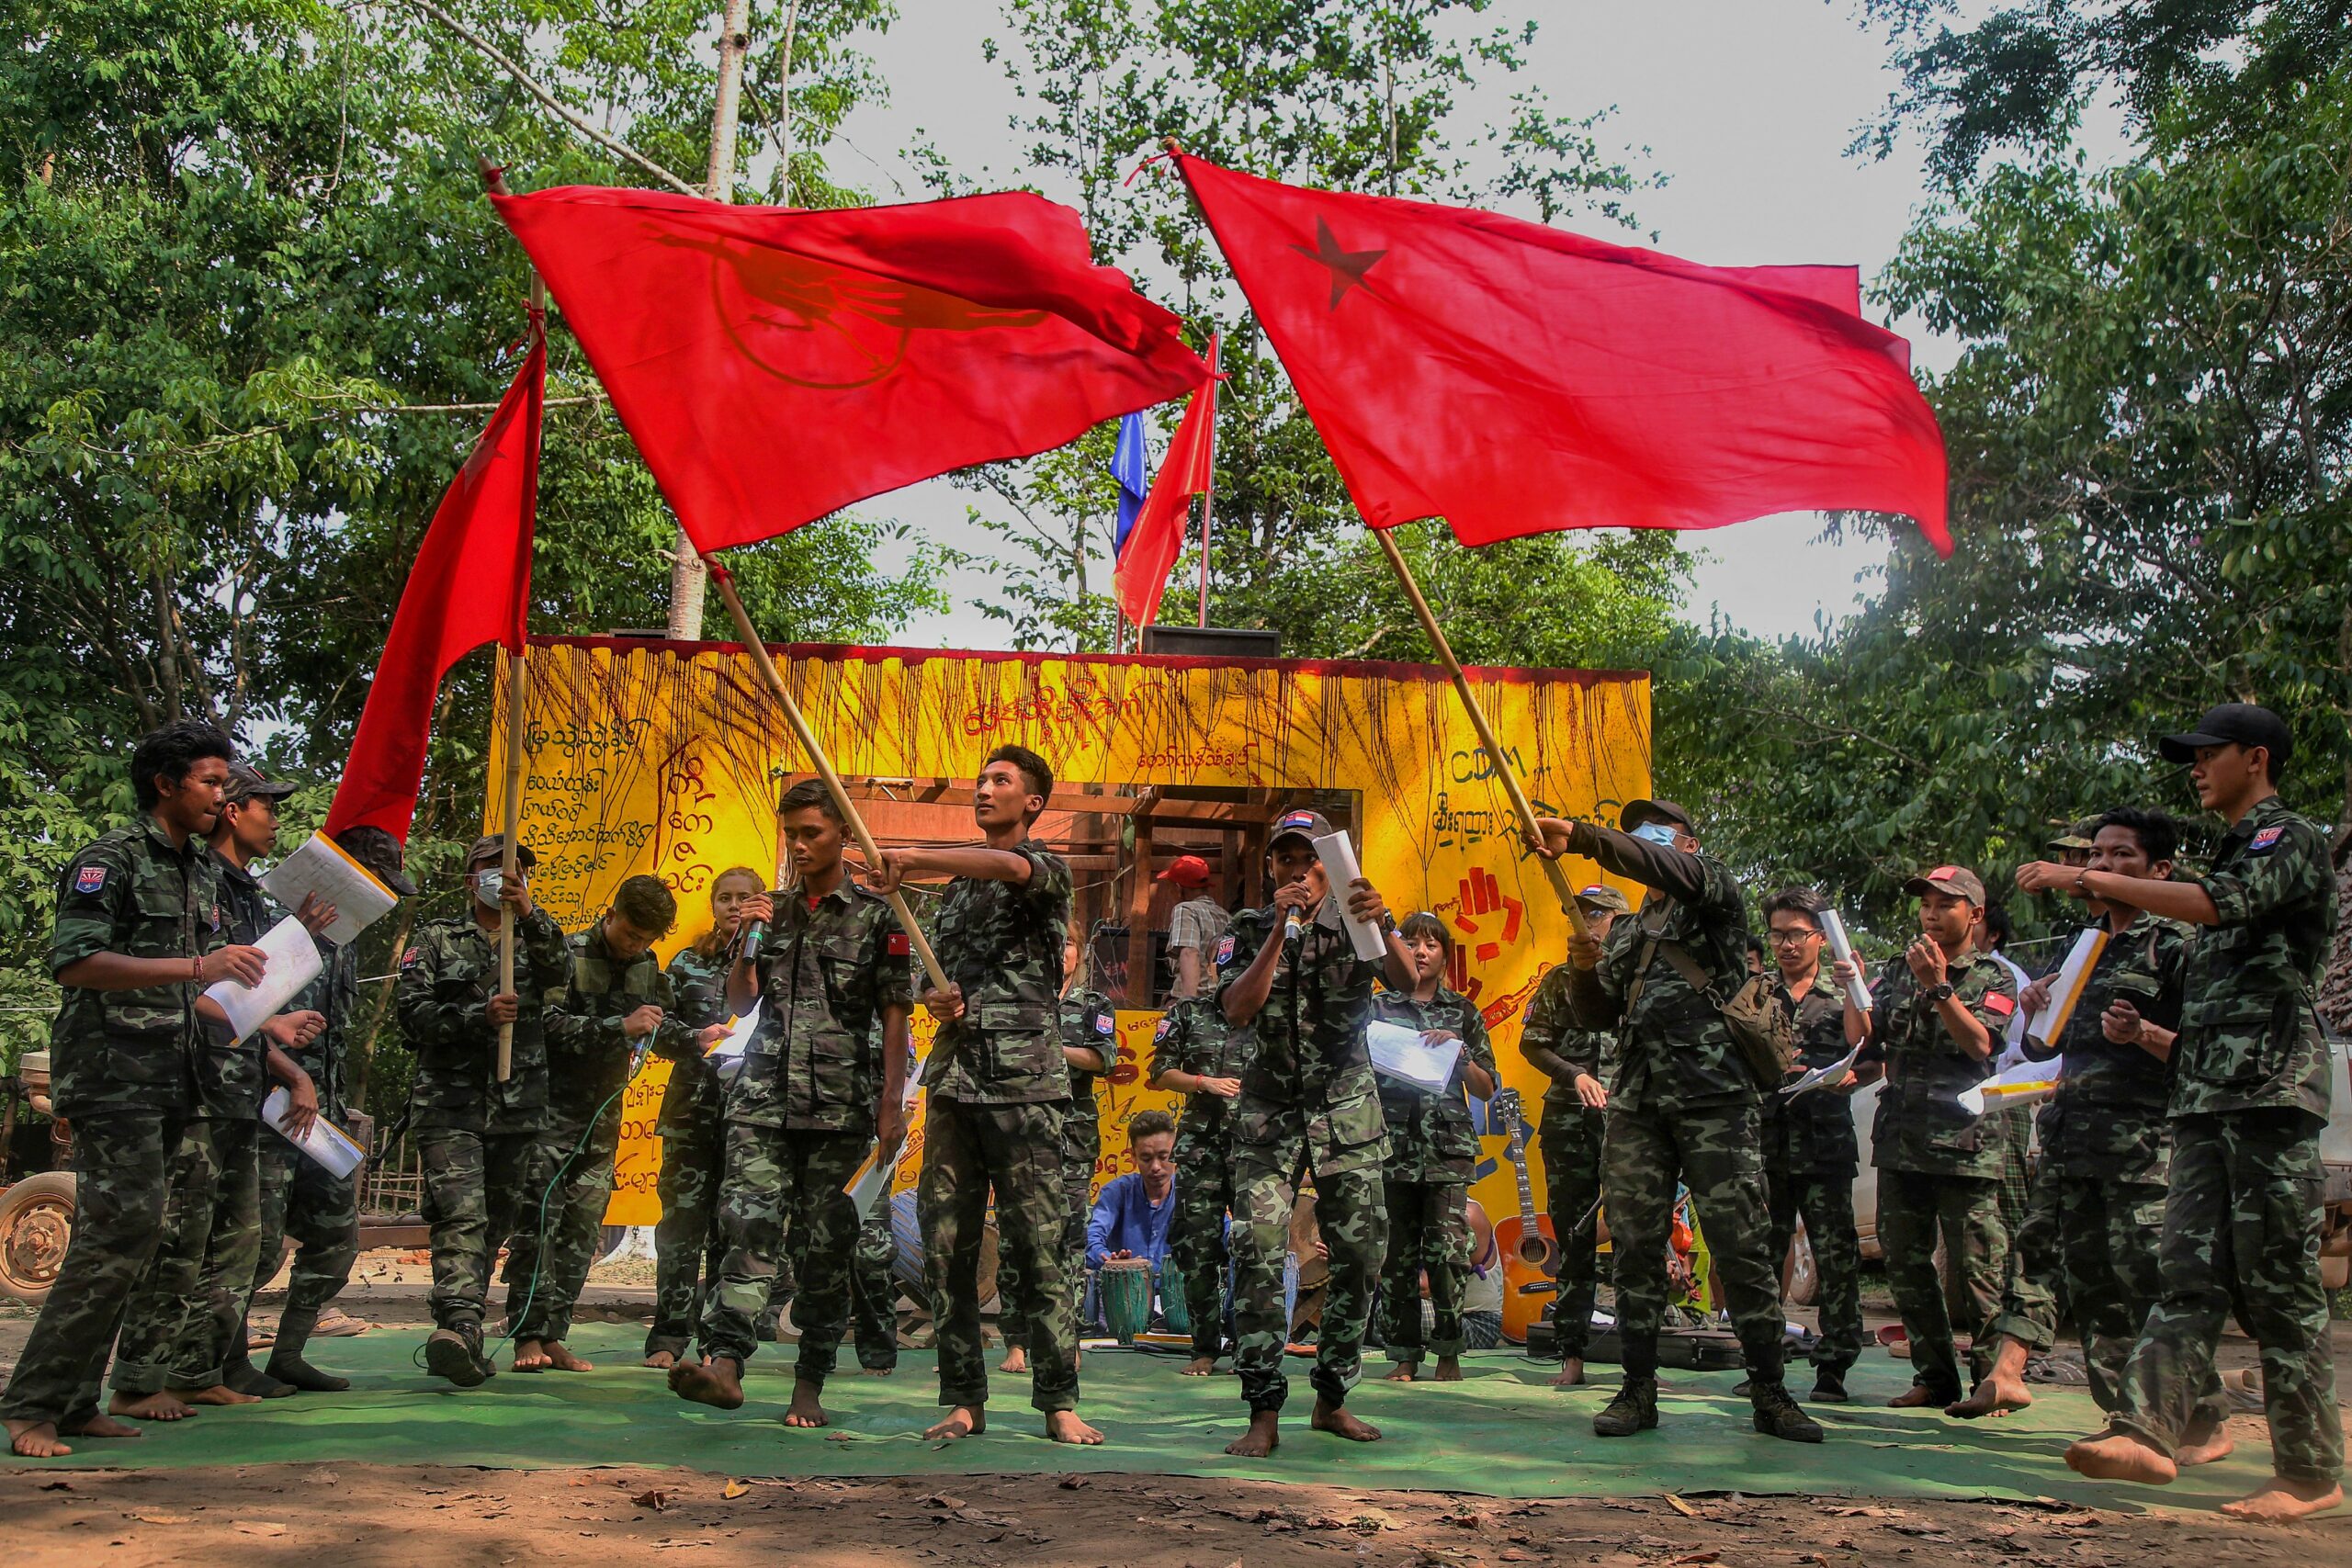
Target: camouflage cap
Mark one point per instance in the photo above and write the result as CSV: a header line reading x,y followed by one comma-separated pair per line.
x,y
249,783
1601,896
1957,880
1299,824
2080,834
493,846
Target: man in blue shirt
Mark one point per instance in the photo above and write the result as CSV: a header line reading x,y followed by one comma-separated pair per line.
x,y
1132,1211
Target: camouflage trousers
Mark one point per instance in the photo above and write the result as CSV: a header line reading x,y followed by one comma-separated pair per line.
x,y
146,1355
212,1317
1571,1142
302,1199
1082,1146
780,1180
1914,1208
554,1248
1428,1233
1016,1150
1354,1224
475,1186
2105,1239
687,1240
2242,1231
1825,1200
2028,1309
123,1167
1196,1237
873,1289
1716,1150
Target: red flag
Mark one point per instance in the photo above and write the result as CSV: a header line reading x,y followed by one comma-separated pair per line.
x,y
470,584
1157,536
774,365
1514,378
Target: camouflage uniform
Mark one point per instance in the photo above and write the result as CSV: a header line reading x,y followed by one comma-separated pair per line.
x,y
1195,1038
1569,1135
998,1091
1940,1168
874,1288
1811,1158
1088,1023
1309,1104
589,1060
800,1119
299,1196
1684,1107
124,1064
1425,1181
693,1129
2249,1096
476,1139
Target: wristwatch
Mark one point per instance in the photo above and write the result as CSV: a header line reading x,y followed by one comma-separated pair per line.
x,y
1387,923
1938,994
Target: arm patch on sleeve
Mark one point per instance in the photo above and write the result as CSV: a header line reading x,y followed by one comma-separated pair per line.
x,y
90,879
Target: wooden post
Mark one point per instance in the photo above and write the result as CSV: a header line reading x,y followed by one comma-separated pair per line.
x,y
1208,497
517,692
725,581
1551,868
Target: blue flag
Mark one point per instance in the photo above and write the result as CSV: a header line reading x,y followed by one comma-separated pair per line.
x,y
1131,465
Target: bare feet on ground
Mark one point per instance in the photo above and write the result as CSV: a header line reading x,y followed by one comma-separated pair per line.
x,y
219,1393
805,1409
964,1421
560,1357
1404,1372
1998,1395
718,1383
878,1371
1016,1360
157,1406
1571,1374
2115,1457
2281,1501
2195,1451
1335,1420
1448,1370
1914,1398
1064,1426
530,1356
99,1425
1263,1437
661,1360
36,1439
1198,1366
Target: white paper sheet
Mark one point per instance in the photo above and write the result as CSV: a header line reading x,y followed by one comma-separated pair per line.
x,y
320,866
1401,1053
2028,1084
1817,1077
293,964
871,1176
326,1144
1858,989
738,1034
2049,1026
1339,858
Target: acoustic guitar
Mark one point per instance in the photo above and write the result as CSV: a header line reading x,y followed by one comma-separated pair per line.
x,y
1530,1252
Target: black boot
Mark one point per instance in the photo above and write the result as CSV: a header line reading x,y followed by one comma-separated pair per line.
x,y
455,1354
1633,1410
1778,1415
238,1371
285,1364
1829,1385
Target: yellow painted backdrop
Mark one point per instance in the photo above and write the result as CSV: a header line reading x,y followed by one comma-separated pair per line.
x,y
661,756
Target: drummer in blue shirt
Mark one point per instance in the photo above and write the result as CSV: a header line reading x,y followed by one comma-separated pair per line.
x,y
1132,1211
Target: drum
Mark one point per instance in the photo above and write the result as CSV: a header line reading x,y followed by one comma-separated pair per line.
x,y
907,1263
1175,1312
1126,1297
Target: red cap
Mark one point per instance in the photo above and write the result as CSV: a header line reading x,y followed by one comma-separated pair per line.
x,y
1186,871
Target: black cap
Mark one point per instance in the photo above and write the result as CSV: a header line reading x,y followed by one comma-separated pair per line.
x,y
1298,824
2241,724
381,853
1637,812
249,783
493,846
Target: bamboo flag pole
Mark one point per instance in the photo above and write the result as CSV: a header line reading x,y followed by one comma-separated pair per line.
x,y
1552,869
724,580
517,694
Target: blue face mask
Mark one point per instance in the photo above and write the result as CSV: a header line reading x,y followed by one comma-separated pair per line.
x,y
1657,833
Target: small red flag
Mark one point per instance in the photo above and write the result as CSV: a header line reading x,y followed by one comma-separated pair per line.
x,y
1514,378
774,365
470,584
1157,536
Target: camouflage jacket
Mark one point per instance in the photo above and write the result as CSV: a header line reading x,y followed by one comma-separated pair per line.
x,y
2250,1039
2108,1120
1431,1136
1088,1023
334,996
1001,943
132,893
232,1076
1549,1038
699,995
447,979
1814,1132
588,1055
1674,1048
827,975
1311,1056
1194,1038
1921,1124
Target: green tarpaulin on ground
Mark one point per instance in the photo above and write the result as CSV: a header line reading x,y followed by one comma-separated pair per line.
x,y
1500,1433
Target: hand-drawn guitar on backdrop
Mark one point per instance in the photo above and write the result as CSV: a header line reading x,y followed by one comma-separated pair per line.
x,y
1530,1253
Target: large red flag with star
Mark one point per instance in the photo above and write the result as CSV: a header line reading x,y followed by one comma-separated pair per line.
x,y
774,365
1514,378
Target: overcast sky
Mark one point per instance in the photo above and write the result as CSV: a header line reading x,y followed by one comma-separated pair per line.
x,y
1745,105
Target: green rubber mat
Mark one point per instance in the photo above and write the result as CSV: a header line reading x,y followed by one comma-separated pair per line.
x,y
1499,1433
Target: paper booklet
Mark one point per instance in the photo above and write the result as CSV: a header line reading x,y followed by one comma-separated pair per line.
x,y
1400,1053
293,964
320,866
739,1031
2029,1084
1814,1078
2049,1026
326,1143
1339,858
871,1176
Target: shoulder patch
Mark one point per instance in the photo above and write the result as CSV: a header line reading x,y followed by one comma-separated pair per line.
x,y
1104,1024
897,945
90,879
1160,1030
1996,1002
412,958
2265,840
1223,950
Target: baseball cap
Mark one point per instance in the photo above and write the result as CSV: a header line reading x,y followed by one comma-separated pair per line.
x,y
2080,834
1953,879
381,853
1601,896
2243,724
493,846
1185,871
1637,812
249,783
1299,824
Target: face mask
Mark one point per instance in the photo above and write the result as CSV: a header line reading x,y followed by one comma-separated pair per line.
x,y
486,886
1657,833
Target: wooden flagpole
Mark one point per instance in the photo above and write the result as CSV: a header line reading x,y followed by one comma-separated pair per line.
x,y
724,580
1208,493
1551,868
517,694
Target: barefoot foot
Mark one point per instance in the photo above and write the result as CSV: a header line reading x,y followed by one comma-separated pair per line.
x,y
1263,1437
1016,1360
660,1361
530,1356
1571,1374
36,1439
98,1427
2281,1501
156,1407
219,1393
2119,1457
1996,1396
1404,1372
1335,1420
806,1409
1198,1366
878,1371
561,1359
718,1383
1448,1370
2204,1448
1064,1426
964,1421
1917,1397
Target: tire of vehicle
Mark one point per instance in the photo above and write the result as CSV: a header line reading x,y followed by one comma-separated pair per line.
x,y
35,1225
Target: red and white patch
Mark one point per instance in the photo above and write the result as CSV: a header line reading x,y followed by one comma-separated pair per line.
x,y
2265,840
1104,1024
1160,1030
1223,952
412,958
897,945
1996,1002
90,879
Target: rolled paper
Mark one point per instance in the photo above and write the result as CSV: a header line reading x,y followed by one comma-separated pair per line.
x,y
2029,1083
2049,1026
1858,990
1339,858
